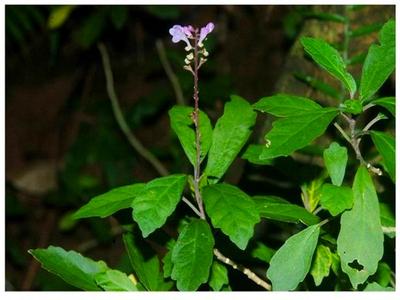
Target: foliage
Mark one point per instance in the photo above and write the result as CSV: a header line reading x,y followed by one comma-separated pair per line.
x,y
315,241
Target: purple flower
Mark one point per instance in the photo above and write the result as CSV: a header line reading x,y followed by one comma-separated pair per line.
x,y
180,33
204,31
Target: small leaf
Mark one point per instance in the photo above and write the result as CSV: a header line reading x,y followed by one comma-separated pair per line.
x,y
106,204
263,252
192,255
379,63
282,105
330,60
119,15
293,133
58,15
114,280
387,102
321,264
335,158
218,276
71,266
360,240
352,106
145,264
291,263
366,29
375,287
336,199
157,202
383,275
229,136
167,259
387,220
274,208
252,154
183,126
385,144
232,211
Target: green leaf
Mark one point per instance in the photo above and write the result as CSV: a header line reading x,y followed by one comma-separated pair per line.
x,y
229,136
58,15
385,144
330,60
293,133
387,220
387,102
360,240
321,264
157,202
71,266
375,287
282,105
114,280
366,29
167,259
106,204
274,208
335,158
379,63
352,106
145,264
291,263
183,126
252,154
336,199
232,211
192,255
262,252
218,276
383,275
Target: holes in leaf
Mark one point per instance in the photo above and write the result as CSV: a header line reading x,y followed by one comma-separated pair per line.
x,y
355,265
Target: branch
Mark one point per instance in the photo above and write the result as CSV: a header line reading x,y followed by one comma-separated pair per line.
x,y
250,274
133,140
170,73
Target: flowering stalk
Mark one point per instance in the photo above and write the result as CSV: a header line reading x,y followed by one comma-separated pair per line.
x,y
193,61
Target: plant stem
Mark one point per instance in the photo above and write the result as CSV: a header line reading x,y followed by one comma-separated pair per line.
x,y
133,140
170,73
196,181
250,274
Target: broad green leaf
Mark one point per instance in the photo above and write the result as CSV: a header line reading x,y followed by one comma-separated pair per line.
x,y
360,240
291,263
263,252
336,199
71,266
157,202
274,208
385,144
387,102
145,264
106,204
232,211
376,287
229,136
192,255
293,133
379,63
335,158
283,105
322,264
167,263
329,59
114,280
387,220
252,154
183,126
218,276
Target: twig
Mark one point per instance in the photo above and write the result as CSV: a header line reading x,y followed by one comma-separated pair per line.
x,y
250,274
170,73
373,121
344,134
195,210
133,140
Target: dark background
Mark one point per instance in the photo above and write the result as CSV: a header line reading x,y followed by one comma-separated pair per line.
x,y
63,145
